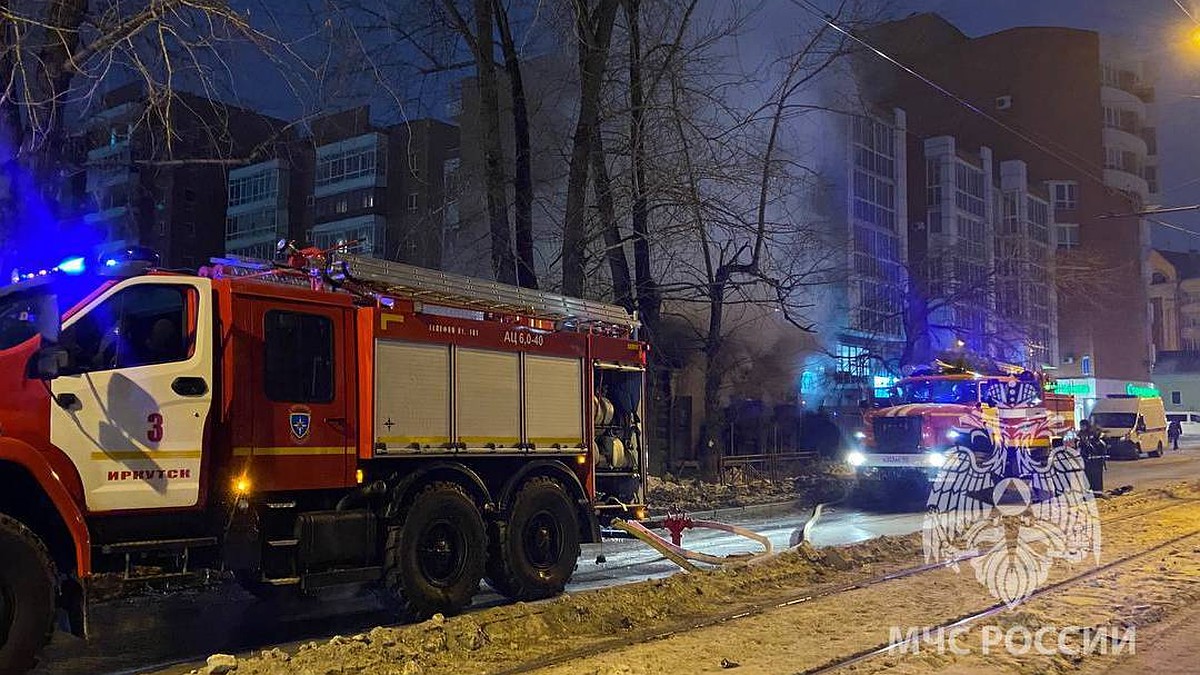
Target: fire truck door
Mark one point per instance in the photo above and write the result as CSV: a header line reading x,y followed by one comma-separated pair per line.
x,y
303,419
135,399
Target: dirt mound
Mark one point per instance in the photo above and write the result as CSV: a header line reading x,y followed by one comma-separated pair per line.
x,y
822,483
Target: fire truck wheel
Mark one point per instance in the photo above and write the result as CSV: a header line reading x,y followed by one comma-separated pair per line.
x,y
27,591
533,555
1157,452
435,557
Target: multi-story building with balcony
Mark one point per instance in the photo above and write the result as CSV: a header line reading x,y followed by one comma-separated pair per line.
x,y
862,202
1039,94
350,183
267,202
981,251
1130,130
151,178
381,190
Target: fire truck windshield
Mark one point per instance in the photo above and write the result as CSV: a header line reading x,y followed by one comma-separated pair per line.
x,y
965,392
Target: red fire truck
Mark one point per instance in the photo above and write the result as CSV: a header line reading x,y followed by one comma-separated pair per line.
x,y
328,421
937,408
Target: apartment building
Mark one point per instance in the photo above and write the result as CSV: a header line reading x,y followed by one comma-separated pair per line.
x,y
1039,94
156,180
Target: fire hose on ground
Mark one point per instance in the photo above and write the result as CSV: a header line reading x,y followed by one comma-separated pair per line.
x,y
676,524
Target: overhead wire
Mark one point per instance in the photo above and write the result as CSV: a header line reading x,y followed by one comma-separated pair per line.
x,y
1019,133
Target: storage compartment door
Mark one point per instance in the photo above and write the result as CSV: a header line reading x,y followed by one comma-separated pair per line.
x,y
487,398
553,402
412,397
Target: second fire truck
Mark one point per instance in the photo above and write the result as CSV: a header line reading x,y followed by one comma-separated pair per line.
x,y
905,441
329,421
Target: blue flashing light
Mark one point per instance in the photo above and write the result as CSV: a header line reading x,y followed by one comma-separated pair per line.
x,y
111,262
72,266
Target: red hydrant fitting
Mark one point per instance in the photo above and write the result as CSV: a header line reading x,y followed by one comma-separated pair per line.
x,y
676,523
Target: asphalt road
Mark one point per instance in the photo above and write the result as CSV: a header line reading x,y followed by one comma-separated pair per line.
x,y
152,632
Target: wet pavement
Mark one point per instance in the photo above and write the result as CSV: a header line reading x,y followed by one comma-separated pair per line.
x,y
153,632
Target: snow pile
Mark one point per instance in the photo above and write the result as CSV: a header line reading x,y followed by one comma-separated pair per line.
x,y
492,639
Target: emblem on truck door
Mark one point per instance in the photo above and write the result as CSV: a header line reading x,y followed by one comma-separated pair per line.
x,y
300,421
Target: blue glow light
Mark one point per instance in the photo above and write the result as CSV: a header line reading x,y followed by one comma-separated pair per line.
x,y
111,262
72,266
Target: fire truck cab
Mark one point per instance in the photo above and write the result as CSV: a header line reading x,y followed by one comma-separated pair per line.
x,y
335,420
906,440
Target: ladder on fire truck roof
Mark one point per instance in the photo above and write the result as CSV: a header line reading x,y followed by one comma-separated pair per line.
x,y
399,280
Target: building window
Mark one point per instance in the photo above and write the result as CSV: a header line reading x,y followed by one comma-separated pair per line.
x,y
1150,173
346,165
851,360
258,224
1176,398
1039,218
1065,196
298,355
1085,365
1150,135
1068,235
874,173
368,200
142,325
412,201
1112,158
968,195
341,206
1112,117
262,186
933,183
1158,278
1011,222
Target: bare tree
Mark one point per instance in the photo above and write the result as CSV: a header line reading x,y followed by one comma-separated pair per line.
x,y
594,26
522,172
59,55
752,248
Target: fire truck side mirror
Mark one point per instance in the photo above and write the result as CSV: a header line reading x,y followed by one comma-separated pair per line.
x,y
50,361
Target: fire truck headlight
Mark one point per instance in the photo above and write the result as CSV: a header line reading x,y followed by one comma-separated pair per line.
x,y
856,458
860,435
953,435
935,459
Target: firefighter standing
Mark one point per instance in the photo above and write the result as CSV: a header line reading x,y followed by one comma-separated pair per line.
x,y
1174,431
1092,451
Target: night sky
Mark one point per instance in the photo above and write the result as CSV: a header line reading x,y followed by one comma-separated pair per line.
x,y
1152,26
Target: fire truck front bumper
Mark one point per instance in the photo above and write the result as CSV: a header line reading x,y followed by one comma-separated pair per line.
x,y
884,465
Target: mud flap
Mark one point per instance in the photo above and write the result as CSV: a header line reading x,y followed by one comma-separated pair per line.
x,y
72,615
